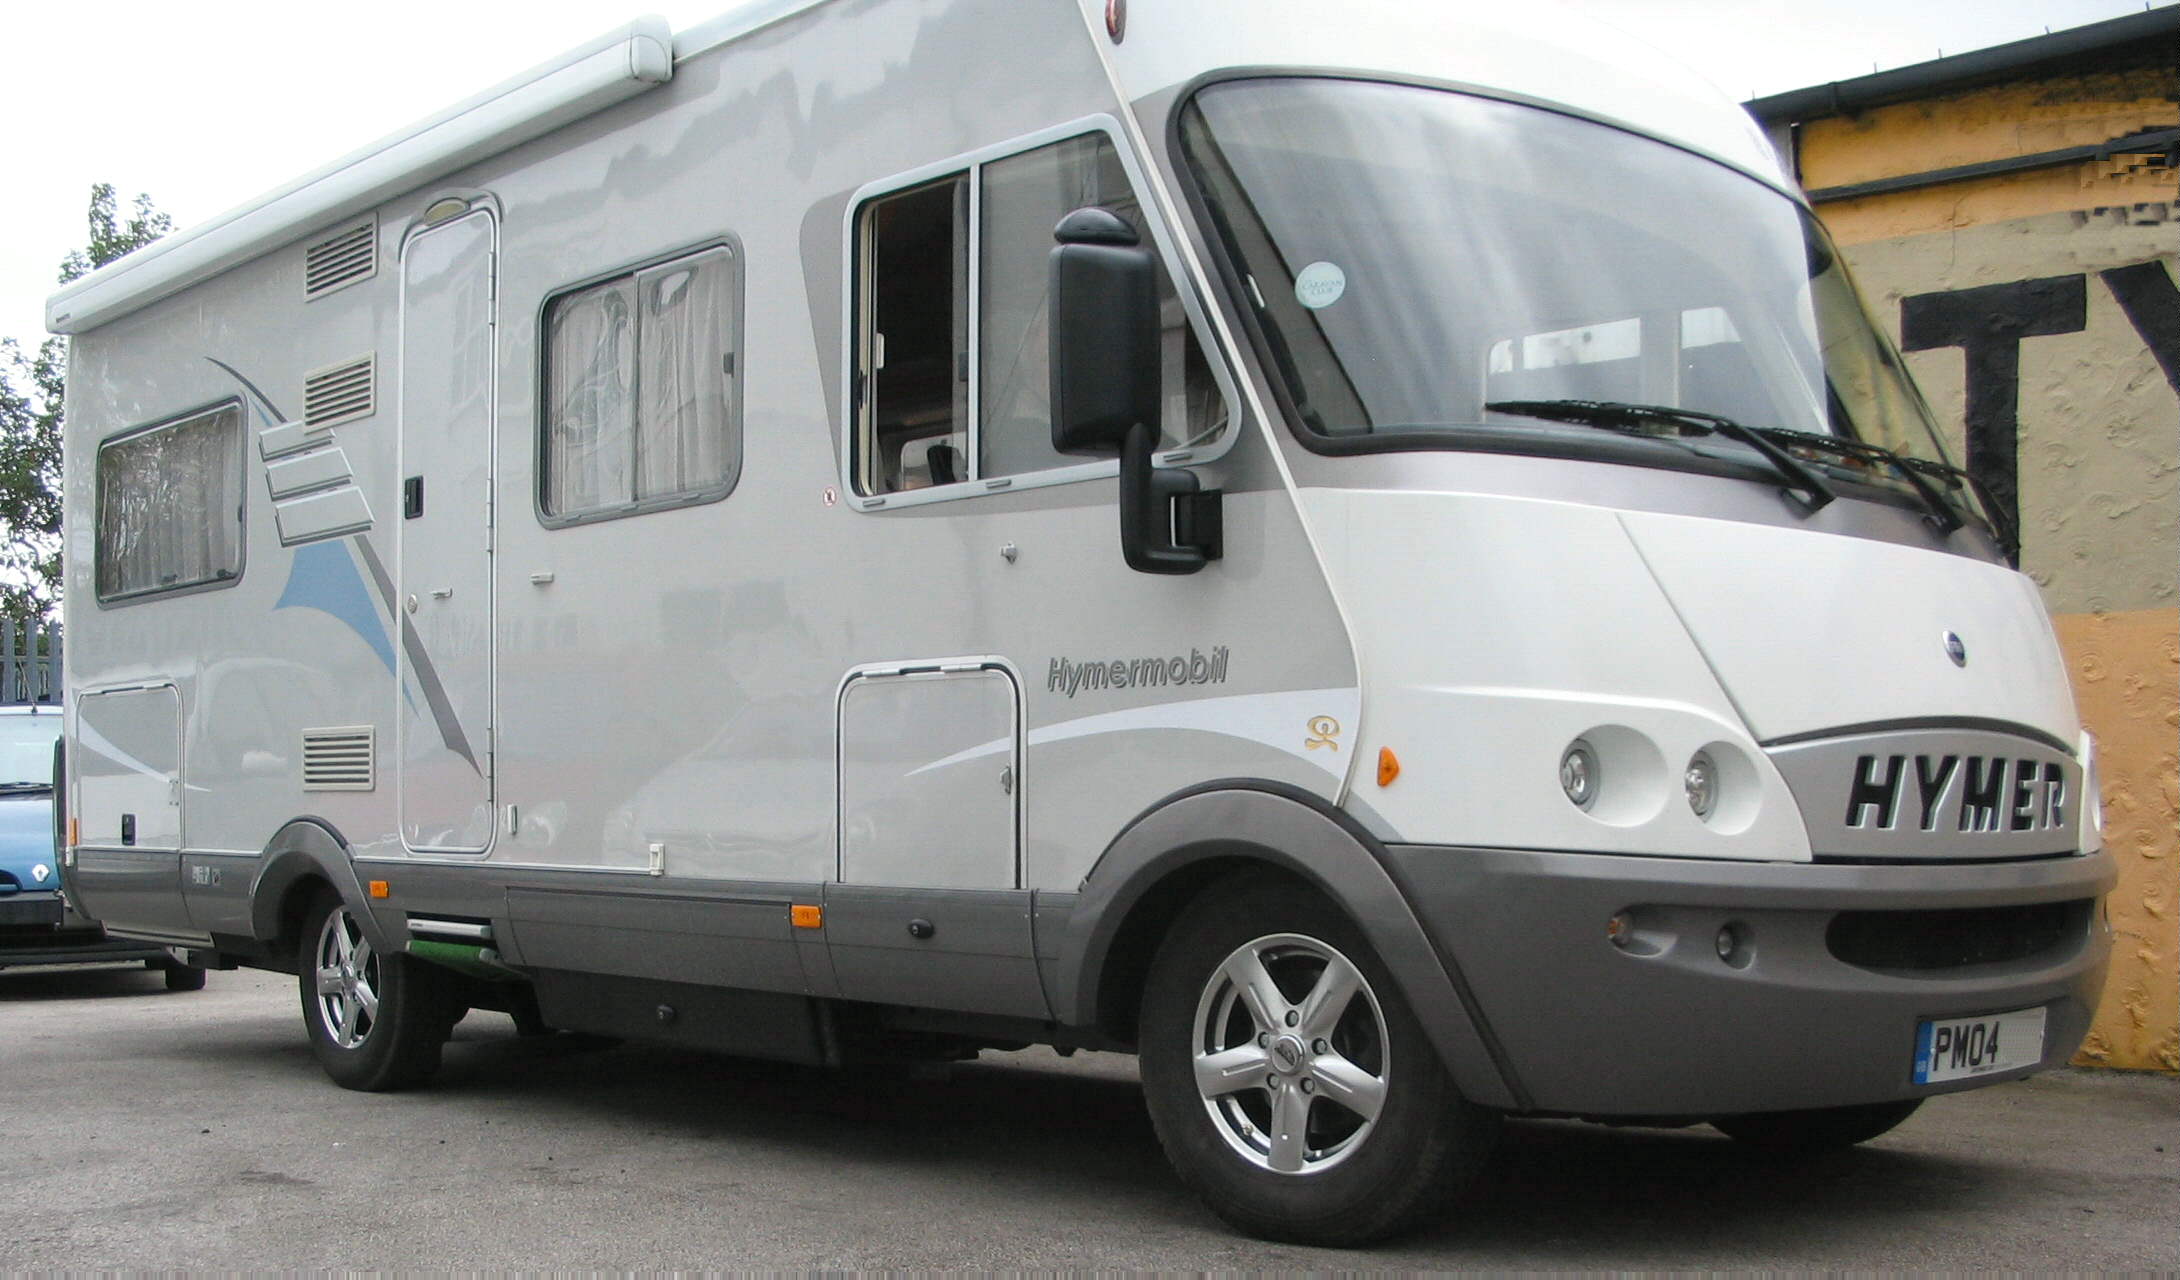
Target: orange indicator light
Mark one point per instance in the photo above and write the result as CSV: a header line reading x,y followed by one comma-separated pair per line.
x,y
1388,766
381,889
806,917
75,832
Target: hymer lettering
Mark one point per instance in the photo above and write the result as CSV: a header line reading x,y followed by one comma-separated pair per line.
x,y
1064,676
1869,792
1981,793
1930,786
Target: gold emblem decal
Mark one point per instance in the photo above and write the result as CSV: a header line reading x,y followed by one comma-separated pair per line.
x,y
1324,732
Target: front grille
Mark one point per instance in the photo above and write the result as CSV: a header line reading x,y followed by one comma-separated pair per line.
x,y
1923,941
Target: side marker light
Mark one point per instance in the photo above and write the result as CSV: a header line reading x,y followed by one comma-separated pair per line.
x,y
75,832
806,917
381,889
1388,766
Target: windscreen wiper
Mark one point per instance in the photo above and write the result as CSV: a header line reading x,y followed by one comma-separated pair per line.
x,y
1803,487
23,788
1938,511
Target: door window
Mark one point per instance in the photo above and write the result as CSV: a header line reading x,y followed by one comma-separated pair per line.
x,y
954,369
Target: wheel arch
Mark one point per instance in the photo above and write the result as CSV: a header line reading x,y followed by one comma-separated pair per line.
x,y
305,856
1172,852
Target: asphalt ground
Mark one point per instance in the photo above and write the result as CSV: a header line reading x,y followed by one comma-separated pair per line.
x,y
149,1130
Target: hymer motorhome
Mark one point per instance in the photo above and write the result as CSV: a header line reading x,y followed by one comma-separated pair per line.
x,y
1370,555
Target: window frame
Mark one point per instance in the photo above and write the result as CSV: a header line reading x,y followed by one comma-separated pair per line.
x,y
242,504
541,388
856,298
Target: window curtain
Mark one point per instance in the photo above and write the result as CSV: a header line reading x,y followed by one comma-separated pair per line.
x,y
170,506
590,384
684,338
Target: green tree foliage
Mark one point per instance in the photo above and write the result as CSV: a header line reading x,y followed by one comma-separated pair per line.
x,y
31,391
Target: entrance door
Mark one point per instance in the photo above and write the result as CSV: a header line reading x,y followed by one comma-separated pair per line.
x,y
444,576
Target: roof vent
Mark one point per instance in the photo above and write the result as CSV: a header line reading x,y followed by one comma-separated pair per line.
x,y
340,393
341,259
340,759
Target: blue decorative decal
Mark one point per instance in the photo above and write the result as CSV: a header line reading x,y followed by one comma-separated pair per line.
x,y
323,576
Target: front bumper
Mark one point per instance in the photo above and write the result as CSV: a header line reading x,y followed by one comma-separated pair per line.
x,y
1665,1026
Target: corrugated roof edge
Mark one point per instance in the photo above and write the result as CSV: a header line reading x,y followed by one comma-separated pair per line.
x,y
1961,70
622,62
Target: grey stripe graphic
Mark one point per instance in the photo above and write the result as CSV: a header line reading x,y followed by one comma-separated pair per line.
x,y
427,675
264,402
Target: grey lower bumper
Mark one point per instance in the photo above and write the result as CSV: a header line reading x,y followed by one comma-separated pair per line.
x,y
1665,1026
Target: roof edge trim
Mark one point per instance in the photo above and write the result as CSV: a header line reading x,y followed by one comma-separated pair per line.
x,y
1960,70
617,65
734,24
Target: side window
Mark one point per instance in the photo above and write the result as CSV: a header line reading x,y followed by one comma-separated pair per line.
x,y
915,360
170,506
929,414
640,399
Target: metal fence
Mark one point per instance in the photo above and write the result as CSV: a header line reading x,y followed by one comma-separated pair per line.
x,y
30,663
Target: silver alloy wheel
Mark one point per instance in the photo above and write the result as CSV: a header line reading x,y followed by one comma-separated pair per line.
x,y
348,980
1290,1054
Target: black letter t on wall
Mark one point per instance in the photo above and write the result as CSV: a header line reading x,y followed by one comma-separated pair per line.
x,y
1988,324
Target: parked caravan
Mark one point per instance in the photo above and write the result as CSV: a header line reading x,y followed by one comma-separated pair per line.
x,y
1369,555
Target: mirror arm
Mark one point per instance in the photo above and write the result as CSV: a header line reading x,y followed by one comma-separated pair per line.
x,y
1149,499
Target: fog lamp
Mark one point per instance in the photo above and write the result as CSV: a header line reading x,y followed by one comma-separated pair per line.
x,y
1578,774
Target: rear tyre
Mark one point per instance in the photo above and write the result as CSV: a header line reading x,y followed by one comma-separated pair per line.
x,y
184,977
1288,1081
1805,1133
376,1022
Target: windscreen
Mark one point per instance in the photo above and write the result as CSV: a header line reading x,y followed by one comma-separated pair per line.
x,y
1415,255
26,749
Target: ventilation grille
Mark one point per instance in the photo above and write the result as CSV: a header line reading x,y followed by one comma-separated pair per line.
x,y
340,393
340,259
339,759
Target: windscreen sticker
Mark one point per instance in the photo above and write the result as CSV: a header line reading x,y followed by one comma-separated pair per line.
x,y
1320,285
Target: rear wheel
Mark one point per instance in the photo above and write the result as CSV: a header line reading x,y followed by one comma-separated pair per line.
x,y
1289,1083
1812,1132
376,1021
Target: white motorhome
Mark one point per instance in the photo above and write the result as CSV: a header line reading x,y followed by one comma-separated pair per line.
x,y
1368,554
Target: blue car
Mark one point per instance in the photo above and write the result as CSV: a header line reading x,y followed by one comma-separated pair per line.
x,y
37,924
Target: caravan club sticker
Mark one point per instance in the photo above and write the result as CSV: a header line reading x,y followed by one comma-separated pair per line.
x,y
1320,285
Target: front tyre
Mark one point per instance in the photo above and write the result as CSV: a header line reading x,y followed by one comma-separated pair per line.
x,y
376,1021
1289,1083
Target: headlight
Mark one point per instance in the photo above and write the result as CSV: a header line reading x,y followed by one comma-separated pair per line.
x,y
1578,774
1700,781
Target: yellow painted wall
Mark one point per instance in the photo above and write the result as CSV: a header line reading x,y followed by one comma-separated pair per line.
x,y
1991,124
2127,679
2099,440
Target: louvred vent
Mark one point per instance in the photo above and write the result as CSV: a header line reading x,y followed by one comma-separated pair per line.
x,y
342,258
340,759
341,393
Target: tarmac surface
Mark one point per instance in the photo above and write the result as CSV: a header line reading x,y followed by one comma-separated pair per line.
x,y
156,1130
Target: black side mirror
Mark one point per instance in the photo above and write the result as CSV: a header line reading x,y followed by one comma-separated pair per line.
x,y
1104,333
1105,389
